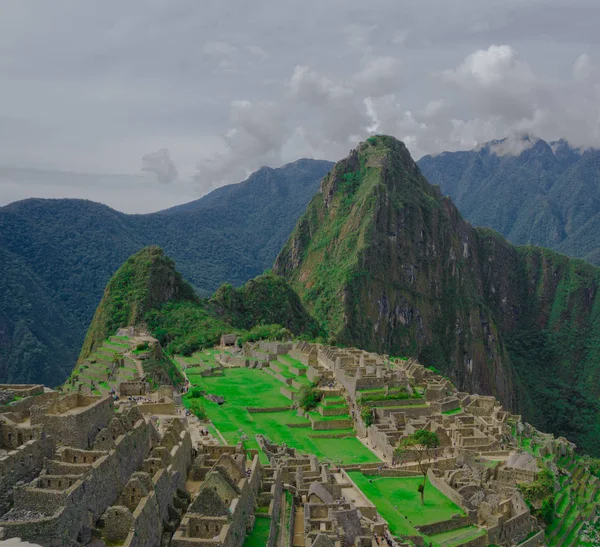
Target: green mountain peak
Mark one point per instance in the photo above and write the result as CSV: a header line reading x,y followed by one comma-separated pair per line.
x,y
388,264
146,280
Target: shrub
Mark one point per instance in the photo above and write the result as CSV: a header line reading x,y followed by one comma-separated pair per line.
x,y
197,408
539,495
310,397
195,393
366,414
265,332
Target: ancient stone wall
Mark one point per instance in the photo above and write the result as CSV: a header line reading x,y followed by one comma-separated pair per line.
x,y
74,420
136,388
77,508
444,525
449,492
167,407
22,463
275,507
331,424
276,348
24,405
23,390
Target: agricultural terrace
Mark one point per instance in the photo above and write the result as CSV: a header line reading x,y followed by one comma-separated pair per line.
x,y
245,388
97,373
397,500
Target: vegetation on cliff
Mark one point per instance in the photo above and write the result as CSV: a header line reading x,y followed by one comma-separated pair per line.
x,y
387,263
266,299
531,191
148,290
144,282
58,255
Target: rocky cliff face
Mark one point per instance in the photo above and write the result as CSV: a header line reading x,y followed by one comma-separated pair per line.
x,y
387,263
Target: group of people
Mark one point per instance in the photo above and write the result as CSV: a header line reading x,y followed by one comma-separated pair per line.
x,y
140,399
387,539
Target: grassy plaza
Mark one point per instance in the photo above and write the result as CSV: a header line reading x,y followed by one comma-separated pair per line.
x,y
245,388
398,501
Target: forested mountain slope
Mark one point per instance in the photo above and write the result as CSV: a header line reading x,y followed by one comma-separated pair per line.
x,y
387,263
62,253
529,190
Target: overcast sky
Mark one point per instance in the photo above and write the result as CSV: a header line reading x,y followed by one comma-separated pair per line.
x,y
180,96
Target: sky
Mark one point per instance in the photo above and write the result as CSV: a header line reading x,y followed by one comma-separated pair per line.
x,y
145,104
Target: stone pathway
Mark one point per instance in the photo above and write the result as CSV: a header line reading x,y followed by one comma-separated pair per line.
x,y
378,453
298,540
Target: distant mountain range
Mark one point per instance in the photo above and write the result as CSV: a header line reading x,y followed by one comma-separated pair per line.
x,y
56,257
531,191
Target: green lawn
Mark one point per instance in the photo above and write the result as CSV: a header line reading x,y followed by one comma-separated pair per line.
x,y
398,501
291,361
453,412
260,533
243,388
458,536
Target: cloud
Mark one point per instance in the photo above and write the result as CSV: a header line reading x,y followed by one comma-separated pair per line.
x,y
255,138
147,75
257,51
379,77
491,93
161,165
512,146
219,49
309,87
497,82
582,69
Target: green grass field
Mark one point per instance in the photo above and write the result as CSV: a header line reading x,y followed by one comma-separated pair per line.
x,y
243,388
398,501
260,533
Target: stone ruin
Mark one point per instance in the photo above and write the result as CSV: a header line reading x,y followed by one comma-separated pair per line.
x,y
477,465
78,468
73,469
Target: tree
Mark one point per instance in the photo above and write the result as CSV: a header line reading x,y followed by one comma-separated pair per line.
x,y
310,397
422,445
366,413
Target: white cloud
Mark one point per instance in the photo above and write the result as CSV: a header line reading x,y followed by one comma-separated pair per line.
x,y
379,77
513,145
497,82
255,138
257,51
219,49
152,74
161,164
308,86
582,69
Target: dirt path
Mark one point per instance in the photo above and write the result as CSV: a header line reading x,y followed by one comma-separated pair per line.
x,y
298,540
195,425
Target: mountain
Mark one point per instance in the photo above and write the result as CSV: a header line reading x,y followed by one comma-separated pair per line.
x,y
146,281
37,334
529,190
387,263
62,253
148,290
266,299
